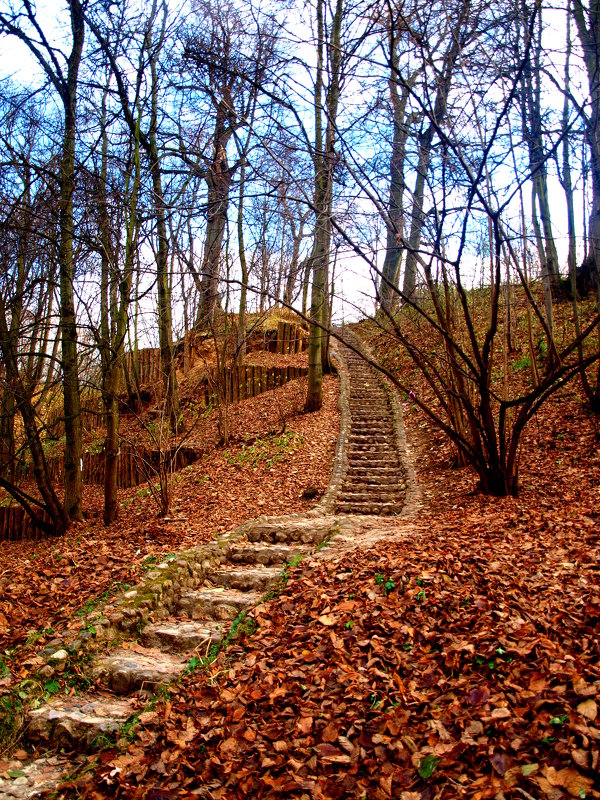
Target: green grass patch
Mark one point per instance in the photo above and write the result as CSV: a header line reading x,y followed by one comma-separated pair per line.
x,y
270,449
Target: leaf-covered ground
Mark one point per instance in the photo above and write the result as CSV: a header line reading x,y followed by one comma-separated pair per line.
x,y
457,657
44,584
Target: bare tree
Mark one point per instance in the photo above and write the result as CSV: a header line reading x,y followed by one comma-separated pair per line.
x,y
63,75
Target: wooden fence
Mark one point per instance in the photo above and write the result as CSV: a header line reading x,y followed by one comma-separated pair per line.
x,y
92,413
287,340
145,364
16,525
133,466
241,383
291,338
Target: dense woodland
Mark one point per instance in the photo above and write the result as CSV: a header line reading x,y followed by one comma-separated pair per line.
x,y
174,172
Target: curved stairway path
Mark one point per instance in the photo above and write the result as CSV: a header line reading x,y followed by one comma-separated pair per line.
x,y
375,481
149,636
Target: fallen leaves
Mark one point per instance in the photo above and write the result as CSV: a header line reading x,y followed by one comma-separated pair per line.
x,y
45,585
588,709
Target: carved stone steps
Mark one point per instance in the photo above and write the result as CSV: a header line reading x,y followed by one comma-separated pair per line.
x,y
79,720
370,437
216,604
127,671
387,487
182,637
365,429
374,480
373,449
265,554
246,580
370,508
368,496
302,531
366,469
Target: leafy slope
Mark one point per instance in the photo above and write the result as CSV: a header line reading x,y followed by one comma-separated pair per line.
x,y
44,584
458,658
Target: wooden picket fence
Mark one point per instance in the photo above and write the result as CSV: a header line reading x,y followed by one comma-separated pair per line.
x,y
145,364
134,463
92,413
16,525
287,340
135,466
240,383
291,338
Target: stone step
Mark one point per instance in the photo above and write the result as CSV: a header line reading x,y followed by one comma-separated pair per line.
x,y
375,407
265,554
377,449
366,416
365,426
368,444
78,722
374,411
126,671
369,497
37,778
175,636
370,437
385,453
370,429
375,486
371,509
251,579
302,531
216,604
364,465
363,484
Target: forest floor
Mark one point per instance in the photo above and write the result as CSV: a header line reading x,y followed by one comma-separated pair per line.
x,y
276,454
458,656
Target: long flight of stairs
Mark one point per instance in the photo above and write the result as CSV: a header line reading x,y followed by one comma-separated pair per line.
x,y
375,480
200,613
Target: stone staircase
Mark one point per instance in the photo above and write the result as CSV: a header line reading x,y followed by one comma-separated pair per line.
x,y
374,482
130,673
186,606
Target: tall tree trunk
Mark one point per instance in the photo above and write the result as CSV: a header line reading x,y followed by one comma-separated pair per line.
x,y
388,293
589,35
241,334
71,395
115,299
425,143
295,266
218,182
532,124
323,199
165,325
